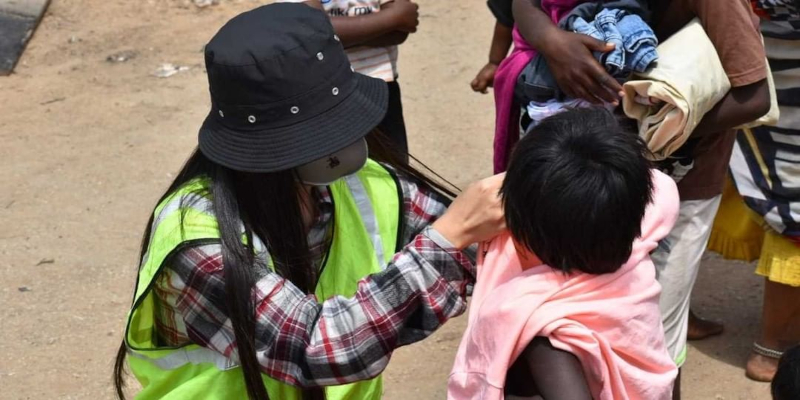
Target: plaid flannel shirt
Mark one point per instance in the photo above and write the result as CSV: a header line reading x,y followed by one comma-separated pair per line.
x,y
304,343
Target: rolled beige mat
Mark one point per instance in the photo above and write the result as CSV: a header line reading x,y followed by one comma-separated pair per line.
x,y
670,99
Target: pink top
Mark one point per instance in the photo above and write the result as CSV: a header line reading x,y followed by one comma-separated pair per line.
x,y
611,322
506,131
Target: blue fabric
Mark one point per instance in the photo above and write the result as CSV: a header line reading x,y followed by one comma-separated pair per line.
x,y
590,9
634,46
634,41
536,83
640,43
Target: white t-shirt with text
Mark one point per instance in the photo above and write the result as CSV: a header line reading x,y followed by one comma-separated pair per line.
x,y
377,62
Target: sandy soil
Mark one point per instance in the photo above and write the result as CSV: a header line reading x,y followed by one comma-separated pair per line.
x,y
88,146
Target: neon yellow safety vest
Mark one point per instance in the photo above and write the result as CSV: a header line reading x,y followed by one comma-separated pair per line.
x,y
367,209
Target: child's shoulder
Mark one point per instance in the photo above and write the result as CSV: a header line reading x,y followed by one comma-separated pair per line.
x,y
665,192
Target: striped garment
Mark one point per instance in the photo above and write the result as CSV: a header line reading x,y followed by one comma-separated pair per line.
x,y
377,62
765,163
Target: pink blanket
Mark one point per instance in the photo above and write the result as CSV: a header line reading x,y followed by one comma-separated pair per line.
x,y
506,131
611,322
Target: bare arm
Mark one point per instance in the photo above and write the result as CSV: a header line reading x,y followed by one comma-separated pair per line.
x,y
390,39
390,26
533,23
501,43
568,54
741,105
733,29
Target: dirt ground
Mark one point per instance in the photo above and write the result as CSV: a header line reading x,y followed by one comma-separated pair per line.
x,y
87,146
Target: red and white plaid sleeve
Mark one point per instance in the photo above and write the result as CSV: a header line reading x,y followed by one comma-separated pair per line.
x,y
344,339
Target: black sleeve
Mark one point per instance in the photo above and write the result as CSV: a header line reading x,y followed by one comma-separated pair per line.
x,y
502,11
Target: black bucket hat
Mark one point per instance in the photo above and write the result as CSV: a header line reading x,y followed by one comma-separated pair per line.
x,y
283,93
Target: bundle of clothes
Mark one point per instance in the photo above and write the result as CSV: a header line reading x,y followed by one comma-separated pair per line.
x,y
621,22
668,87
524,81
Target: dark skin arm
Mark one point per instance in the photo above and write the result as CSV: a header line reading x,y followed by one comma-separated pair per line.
x,y
390,39
741,105
568,54
570,60
391,26
544,372
501,43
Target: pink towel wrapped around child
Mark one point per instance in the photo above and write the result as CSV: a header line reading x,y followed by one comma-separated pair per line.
x,y
610,322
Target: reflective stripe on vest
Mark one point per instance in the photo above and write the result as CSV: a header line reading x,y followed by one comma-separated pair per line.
x,y
366,223
359,193
188,355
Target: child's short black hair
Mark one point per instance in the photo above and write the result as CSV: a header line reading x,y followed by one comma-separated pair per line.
x,y
576,191
786,383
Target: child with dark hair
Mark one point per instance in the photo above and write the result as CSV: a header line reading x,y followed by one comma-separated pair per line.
x,y
584,210
786,383
580,171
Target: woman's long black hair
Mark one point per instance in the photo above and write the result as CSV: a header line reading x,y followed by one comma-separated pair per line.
x,y
269,207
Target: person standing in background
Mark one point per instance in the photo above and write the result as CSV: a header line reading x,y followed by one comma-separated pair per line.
x,y
371,31
761,220
733,29
501,43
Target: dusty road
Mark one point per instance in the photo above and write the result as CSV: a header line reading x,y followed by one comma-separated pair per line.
x,y
86,147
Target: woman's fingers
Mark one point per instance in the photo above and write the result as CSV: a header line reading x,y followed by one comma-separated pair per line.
x,y
476,215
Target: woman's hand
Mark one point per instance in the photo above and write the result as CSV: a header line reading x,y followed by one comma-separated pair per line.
x,y
476,215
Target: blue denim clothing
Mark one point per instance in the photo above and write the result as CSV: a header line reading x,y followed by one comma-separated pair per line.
x,y
590,9
621,22
640,42
634,41
536,83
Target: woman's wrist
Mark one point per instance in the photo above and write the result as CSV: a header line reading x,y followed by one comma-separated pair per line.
x,y
450,233
437,237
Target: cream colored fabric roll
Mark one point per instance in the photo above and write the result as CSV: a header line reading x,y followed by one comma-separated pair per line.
x,y
686,83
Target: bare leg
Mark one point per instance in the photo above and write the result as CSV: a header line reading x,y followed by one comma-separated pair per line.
x,y
780,328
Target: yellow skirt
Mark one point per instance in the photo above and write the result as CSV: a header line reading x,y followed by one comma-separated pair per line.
x,y
741,234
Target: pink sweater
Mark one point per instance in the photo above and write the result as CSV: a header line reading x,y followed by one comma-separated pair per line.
x,y
611,322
